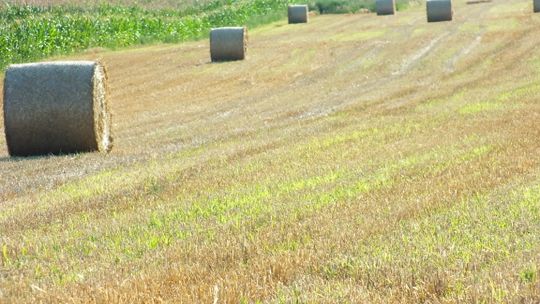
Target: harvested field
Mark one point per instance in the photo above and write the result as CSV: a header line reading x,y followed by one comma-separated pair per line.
x,y
352,159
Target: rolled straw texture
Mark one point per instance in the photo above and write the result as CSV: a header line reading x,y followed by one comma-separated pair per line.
x,y
56,108
439,10
228,43
298,13
385,7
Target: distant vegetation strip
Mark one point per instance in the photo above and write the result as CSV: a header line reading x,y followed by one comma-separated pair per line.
x,y
30,33
352,6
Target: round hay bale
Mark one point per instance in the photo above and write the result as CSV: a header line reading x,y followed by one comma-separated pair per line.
x,y
385,7
298,13
439,10
228,43
56,108
536,5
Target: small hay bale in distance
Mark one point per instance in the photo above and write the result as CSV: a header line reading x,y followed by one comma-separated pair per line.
x,y
439,10
536,5
385,7
228,43
298,13
56,108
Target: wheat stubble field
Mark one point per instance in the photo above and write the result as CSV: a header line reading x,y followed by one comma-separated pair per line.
x,y
355,159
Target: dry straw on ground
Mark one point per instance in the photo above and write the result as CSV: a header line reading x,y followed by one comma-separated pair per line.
x,y
386,7
439,10
228,43
56,107
298,13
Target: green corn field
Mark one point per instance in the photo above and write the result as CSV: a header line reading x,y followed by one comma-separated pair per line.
x,y
33,32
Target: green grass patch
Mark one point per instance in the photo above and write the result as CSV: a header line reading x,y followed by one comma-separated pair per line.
x,y
473,234
519,93
479,107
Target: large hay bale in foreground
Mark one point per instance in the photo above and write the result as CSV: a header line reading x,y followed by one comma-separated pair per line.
x,y
439,10
228,43
536,5
56,108
385,7
298,13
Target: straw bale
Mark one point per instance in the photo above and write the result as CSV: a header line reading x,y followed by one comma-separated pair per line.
x,y
386,7
56,108
298,13
439,10
228,43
